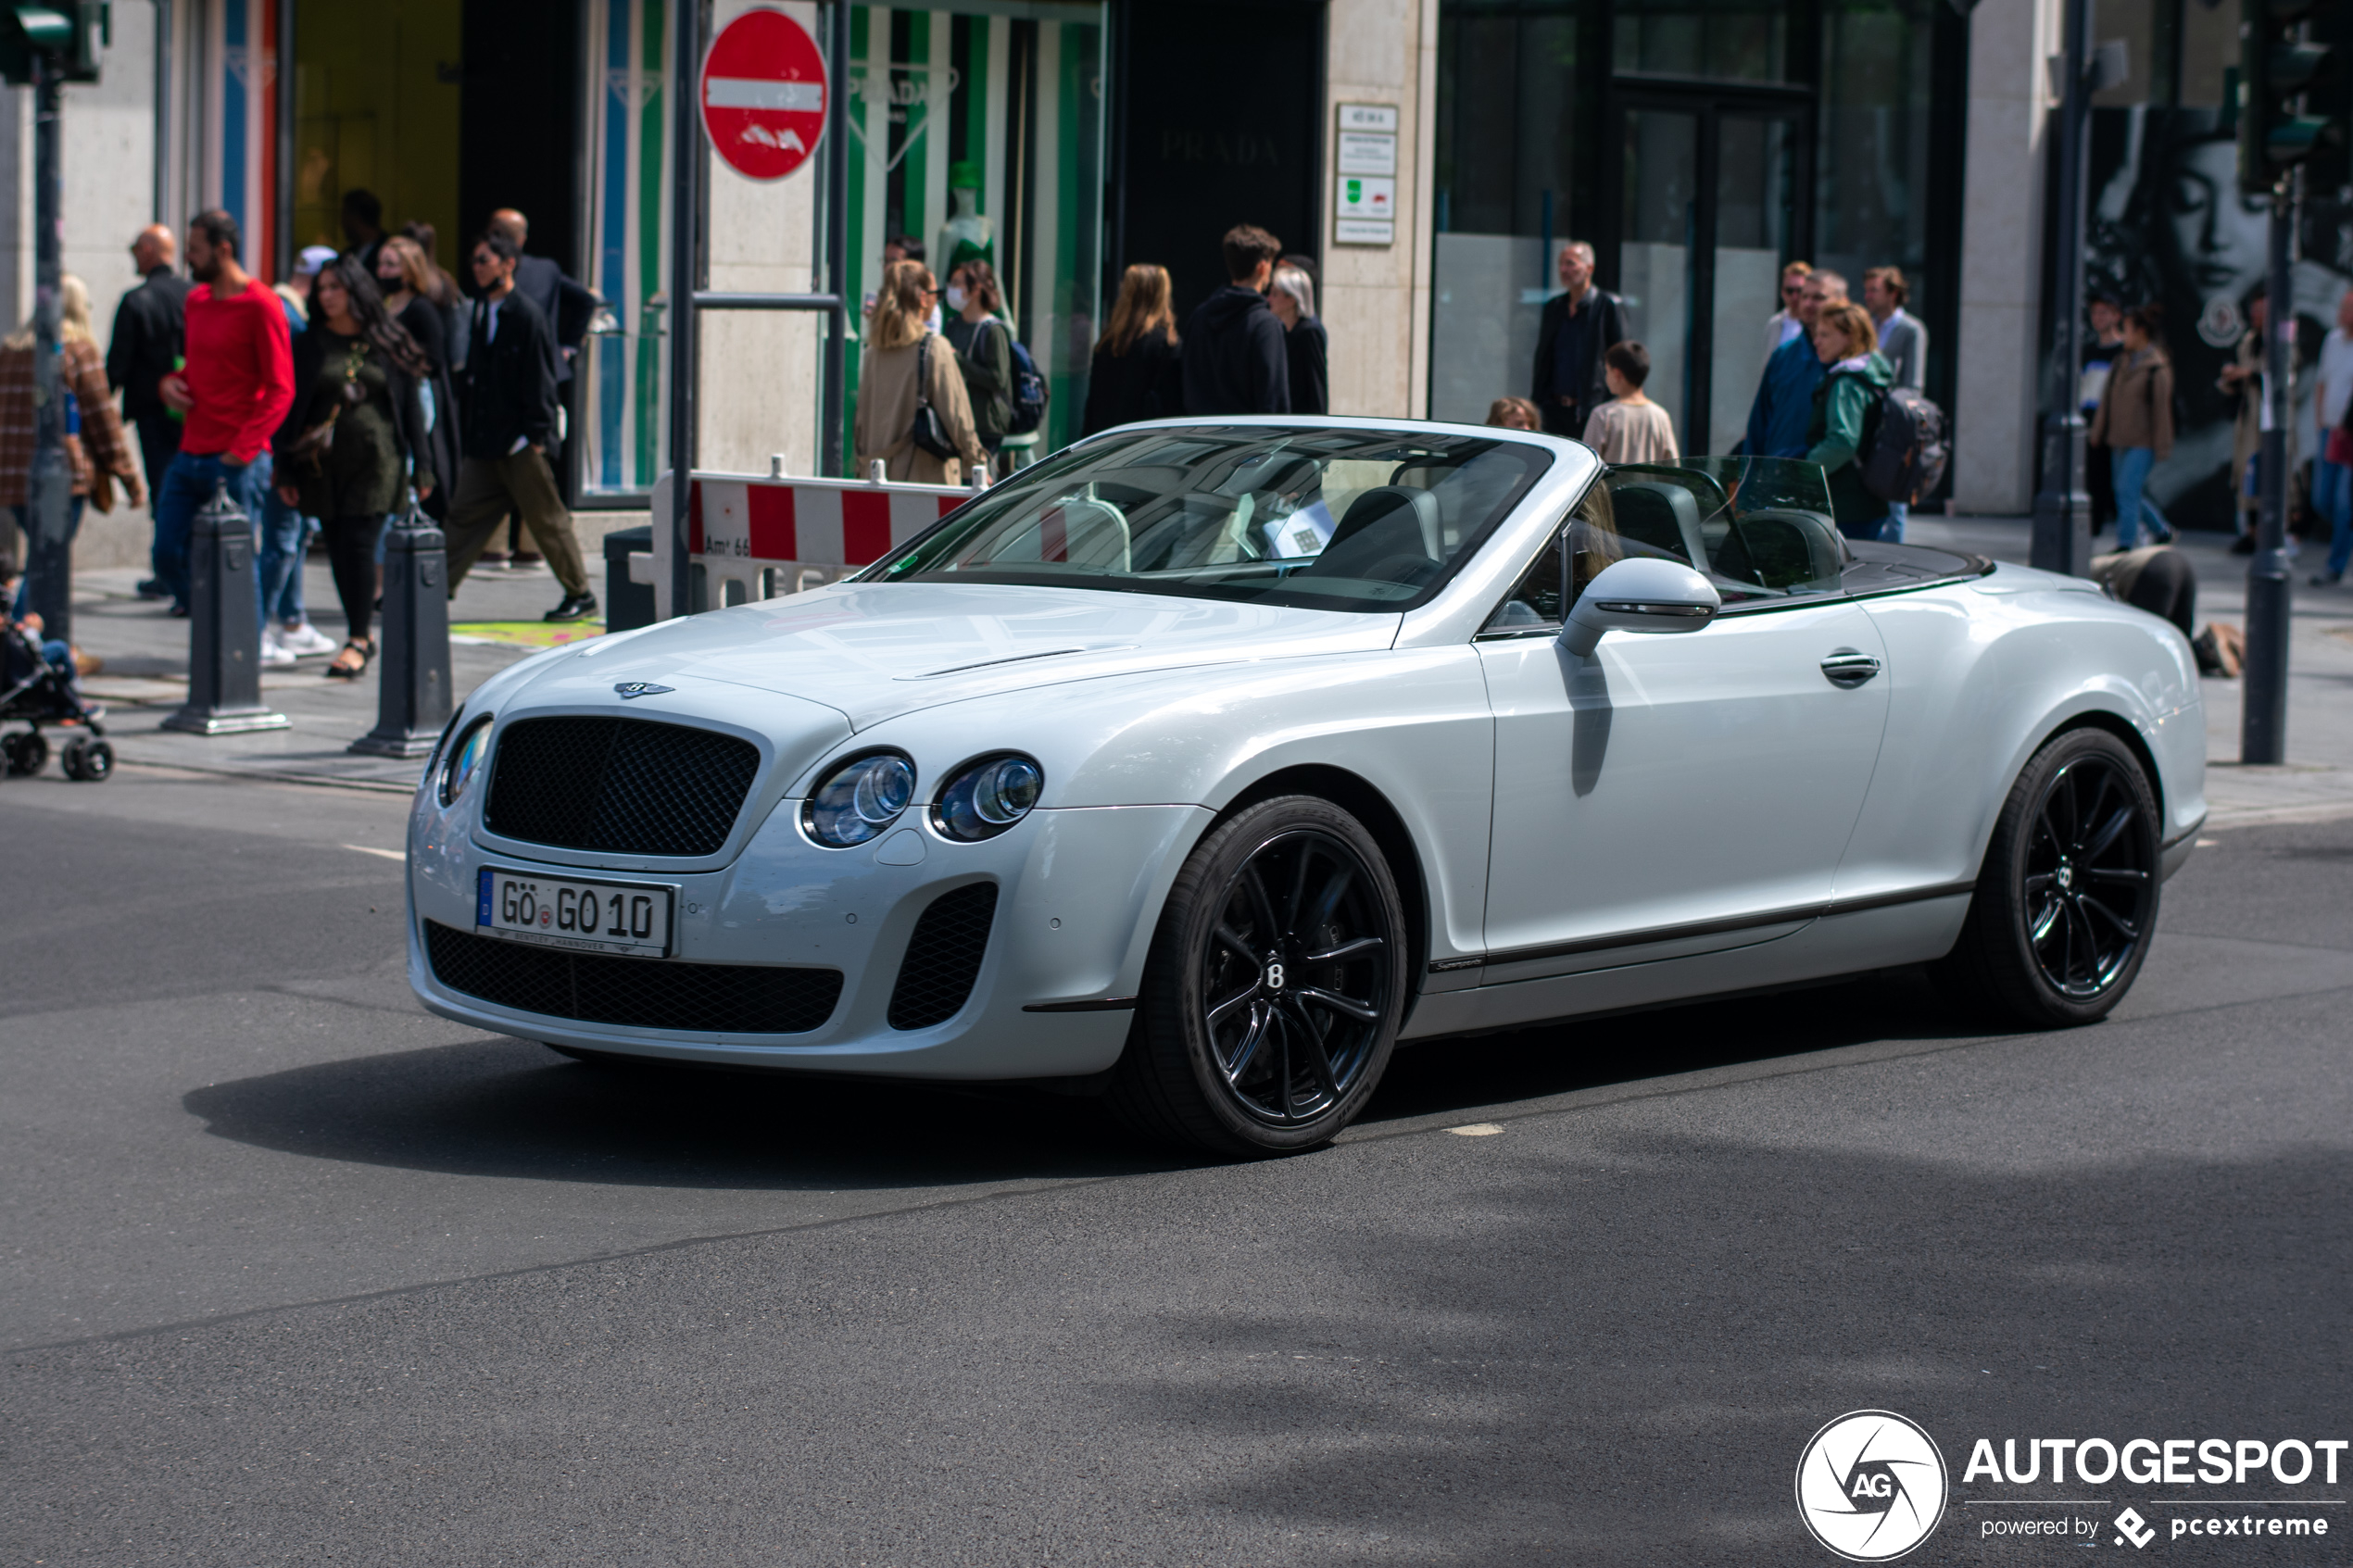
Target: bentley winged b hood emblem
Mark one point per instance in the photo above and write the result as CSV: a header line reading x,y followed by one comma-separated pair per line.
x,y
639,688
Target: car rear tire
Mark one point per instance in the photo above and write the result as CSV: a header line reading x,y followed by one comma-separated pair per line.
x,y
2066,900
1276,985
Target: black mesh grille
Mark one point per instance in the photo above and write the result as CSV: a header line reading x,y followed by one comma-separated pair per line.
x,y
628,786
644,993
943,957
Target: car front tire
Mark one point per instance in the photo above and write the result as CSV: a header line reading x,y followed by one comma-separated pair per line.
x,y
2065,903
1274,989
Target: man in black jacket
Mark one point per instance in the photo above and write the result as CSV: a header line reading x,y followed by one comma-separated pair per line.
x,y
1576,329
567,307
150,334
507,423
1235,358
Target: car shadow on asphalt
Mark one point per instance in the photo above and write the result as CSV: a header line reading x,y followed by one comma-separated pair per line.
x,y
500,1107
1457,1073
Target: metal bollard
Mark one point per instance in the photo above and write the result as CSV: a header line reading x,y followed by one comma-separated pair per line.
x,y
224,627
412,694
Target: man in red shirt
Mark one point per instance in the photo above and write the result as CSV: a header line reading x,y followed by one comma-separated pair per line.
x,y
235,392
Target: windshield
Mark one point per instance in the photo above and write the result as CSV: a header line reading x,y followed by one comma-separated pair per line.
x,y
1761,528
1321,519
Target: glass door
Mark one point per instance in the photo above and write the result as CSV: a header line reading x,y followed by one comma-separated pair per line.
x,y
1708,215
1657,251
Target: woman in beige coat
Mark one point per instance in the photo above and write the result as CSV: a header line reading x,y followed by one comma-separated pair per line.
x,y
897,344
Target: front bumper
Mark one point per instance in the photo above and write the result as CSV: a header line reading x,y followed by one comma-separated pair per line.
x,y
1079,891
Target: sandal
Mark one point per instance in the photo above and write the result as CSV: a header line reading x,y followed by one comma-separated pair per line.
x,y
339,670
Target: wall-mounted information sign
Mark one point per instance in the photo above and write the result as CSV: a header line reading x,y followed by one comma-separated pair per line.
x,y
1364,193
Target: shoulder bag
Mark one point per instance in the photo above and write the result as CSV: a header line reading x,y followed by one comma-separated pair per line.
x,y
306,454
928,432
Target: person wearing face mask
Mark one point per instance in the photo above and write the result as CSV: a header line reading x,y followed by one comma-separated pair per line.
x,y
984,349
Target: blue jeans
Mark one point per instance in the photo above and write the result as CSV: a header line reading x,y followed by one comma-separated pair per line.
x,y
187,484
2332,495
1892,530
2132,465
285,535
24,520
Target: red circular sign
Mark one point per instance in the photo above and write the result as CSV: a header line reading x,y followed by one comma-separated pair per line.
x,y
764,95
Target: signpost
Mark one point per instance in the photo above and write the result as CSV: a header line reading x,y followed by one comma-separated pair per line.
x,y
764,95
765,100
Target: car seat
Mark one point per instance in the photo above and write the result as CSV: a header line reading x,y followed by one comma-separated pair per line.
x,y
1391,534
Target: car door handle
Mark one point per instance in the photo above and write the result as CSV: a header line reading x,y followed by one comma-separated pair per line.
x,y
1848,668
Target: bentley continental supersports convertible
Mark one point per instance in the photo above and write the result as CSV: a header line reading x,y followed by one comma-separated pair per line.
x,y
1199,765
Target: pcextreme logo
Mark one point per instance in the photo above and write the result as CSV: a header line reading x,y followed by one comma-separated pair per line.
x,y
1870,1486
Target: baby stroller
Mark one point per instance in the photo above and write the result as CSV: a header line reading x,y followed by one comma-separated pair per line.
x,y
38,693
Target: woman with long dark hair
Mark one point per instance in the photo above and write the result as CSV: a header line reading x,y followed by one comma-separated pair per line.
x,y
347,450
1137,373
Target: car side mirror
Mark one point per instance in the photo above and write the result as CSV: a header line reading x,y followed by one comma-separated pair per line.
x,y
1645,594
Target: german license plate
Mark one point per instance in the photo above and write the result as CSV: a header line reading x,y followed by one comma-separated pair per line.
x,y
590,917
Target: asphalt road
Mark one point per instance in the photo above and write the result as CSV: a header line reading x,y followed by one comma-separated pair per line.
x,y
303,1276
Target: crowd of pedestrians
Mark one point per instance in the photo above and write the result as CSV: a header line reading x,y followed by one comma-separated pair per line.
x,y
362,385
945,388
1829,367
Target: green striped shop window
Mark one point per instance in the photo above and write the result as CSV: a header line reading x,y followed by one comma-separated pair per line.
x,y
979,129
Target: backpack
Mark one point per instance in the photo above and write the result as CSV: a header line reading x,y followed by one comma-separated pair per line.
x,y
1030,392
1905,451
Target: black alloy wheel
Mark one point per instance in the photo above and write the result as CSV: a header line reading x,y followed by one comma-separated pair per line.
x,y
1276,986
2091,877
2066,900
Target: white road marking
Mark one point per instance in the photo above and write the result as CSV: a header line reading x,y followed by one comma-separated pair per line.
x,y
1476,1130
381,854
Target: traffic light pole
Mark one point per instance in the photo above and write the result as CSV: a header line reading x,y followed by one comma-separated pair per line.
x,y
49,547
2263,680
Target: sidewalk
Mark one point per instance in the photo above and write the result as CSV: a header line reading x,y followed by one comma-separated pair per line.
x,y
2317,780
145,678
146,658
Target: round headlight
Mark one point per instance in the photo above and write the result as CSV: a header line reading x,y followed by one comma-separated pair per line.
x,y
465,760
859,800
986,798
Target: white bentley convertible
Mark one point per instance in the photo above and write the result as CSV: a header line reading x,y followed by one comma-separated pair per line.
x,y
1202,764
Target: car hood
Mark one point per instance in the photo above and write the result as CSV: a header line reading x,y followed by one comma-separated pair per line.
x,y
876,650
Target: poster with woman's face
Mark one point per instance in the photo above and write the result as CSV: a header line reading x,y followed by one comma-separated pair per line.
x,y
2172,226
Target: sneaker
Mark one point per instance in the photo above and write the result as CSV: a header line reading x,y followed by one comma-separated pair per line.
x,y
491,560
179,612
305,641
152,589
2326,579
2244,545
273,652
524,561
576,607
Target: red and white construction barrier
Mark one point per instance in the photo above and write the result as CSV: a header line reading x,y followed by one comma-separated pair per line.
x,y
757,538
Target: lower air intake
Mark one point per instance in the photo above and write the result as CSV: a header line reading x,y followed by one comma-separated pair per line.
x,y
640,993
943,957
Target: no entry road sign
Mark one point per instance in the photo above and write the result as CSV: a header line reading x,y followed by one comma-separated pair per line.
x,y
764,95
